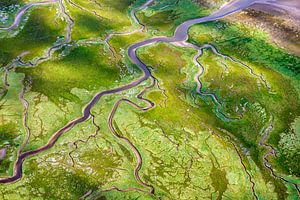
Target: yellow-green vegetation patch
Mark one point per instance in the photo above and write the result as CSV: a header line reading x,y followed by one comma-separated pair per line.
x,y
162,17
220,143
12,133
96,18
85,67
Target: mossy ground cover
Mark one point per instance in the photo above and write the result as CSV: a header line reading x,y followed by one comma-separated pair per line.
x,y
40,32
6,3
100,17
262,105
256,119
188,151
84,67
163,17
247,44
11,127
8,10
252,47
64,85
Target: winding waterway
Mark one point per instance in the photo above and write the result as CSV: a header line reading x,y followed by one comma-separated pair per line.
x,y
19,15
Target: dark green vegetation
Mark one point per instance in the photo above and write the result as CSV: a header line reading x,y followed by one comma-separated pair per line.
x,y
254,120
164,21
5,3
97,18
9,140
248,45
289,148
219,181
262,107
39,33
252,47
187,150
83,67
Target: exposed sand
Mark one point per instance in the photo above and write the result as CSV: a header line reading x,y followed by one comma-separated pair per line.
x,y
288,8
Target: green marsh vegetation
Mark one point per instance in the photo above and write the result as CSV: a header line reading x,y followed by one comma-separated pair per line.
x,y
246,130
98,18
164,16
247,44
257,117
185,146
11,129
59,87
82,68
279,68
6,3
8,10
262,107
9,141
40,32
252,47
